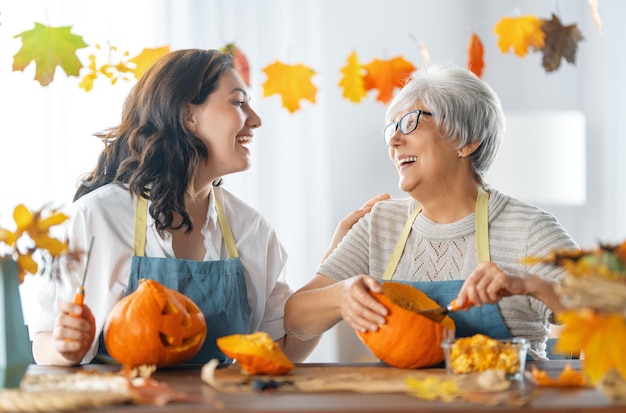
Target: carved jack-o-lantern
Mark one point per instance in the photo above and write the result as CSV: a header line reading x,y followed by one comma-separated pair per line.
x,y
407,339
154,325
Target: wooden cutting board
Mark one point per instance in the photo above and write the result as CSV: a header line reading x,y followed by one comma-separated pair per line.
x,y
309,379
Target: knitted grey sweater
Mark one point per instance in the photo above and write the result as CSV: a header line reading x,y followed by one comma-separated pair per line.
x,y
443,252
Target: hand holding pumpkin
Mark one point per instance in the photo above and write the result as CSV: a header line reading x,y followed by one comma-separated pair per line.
x,y
74,331
358,307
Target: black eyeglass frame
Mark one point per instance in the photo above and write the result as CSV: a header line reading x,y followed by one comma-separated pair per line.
x,y
398,124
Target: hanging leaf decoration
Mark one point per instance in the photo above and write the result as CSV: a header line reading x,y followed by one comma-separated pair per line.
x,y
520,33
385,75
593,6
291,82
146,58
475,55
352,81
241,62
111,70
49,47
560,42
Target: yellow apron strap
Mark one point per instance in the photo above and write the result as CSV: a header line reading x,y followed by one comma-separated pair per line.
x,y
482,234
141,213
482,226
399,248
227,234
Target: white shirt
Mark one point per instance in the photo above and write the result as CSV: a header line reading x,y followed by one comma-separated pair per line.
x,y
108,213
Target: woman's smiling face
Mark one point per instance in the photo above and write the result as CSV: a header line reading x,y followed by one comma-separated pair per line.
x,y
422,157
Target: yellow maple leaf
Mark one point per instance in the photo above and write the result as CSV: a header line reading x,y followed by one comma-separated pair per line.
x,y
352,80
291,82
520,33
599,336
385,75
145,59
49,47
114,67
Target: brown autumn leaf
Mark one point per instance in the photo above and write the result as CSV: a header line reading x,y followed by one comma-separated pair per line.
x,y
520,33
475,55
291,82
561,41
385,75
352,80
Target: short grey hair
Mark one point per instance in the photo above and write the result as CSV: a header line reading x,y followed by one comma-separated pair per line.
x,y
464,107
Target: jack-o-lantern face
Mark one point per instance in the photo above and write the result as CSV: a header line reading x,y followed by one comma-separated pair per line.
x,y
154,325
407,339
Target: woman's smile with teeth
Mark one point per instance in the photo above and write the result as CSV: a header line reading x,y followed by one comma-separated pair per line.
x,y
404,161
244,139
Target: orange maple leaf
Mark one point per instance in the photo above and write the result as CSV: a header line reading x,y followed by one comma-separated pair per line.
x,y
475,55
567,378
385,75
291,82
599,336
520,33
145,59
352,80
561,41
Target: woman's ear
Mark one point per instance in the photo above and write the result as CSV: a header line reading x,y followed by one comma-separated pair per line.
x,y
189,120
469,148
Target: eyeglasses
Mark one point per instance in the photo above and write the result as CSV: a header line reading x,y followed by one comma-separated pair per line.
x,y
407,124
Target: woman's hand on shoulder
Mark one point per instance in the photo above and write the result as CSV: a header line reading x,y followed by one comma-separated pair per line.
x,y
348,222
357,306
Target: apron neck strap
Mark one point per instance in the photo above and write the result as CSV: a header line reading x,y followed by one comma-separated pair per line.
x,y
227,234
482,234
141,214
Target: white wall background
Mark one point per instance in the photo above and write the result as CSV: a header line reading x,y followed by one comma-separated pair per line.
x,y
312,167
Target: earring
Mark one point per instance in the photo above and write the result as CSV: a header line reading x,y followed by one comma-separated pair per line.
x,y
460,154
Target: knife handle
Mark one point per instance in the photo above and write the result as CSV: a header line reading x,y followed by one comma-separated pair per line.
x,y
466,305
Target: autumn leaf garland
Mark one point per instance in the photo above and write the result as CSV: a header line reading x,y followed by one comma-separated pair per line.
x,y
52,47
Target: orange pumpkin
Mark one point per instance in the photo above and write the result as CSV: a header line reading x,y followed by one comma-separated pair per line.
x,y
407,339
257,353
154,325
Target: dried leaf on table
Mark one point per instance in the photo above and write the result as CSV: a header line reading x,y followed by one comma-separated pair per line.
x,y
352,80
520,33
291,82
475,55
561,42
49,47
567,378
385,75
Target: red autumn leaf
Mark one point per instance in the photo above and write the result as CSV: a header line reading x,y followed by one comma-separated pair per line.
x,y
561,42
475,55
241,62
385,75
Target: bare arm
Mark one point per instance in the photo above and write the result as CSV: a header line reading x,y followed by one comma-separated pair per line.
x,y
298,350
69,341
323,302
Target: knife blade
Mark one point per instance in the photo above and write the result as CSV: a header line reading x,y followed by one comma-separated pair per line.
x,y
439,313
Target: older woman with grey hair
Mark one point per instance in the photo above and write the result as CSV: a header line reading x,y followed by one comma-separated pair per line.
x,y
462,239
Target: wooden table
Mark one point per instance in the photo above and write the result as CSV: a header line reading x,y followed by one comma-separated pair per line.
x,y
204,398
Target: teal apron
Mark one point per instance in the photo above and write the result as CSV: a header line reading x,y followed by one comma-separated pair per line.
x,y
217,287
484,320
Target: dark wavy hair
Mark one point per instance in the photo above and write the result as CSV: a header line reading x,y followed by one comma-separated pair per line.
x,y
151,152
